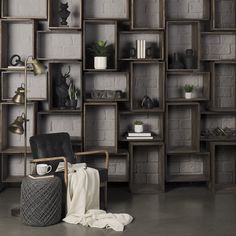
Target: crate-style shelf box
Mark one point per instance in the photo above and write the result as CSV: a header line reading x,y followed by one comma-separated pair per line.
x,y
17,9
106,86
74,20
193,167
13,167
147,79
216,46
148,15
106,9
58,45
146,167
223,168
101,119
175,82
187,10
10,142
58,84
36,85
188,39
218,126
182,127
53,122
224,86
153,122
14,40
95,30
154,41
224,15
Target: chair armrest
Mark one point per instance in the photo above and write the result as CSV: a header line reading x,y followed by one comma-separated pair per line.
x,y
90,153
35,161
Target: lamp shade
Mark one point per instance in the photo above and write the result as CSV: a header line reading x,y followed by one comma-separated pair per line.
x,y
38,67
17,126
19,96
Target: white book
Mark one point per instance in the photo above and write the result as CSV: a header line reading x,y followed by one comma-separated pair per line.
x,y
139,137
41,176
144,134
143,48
138,48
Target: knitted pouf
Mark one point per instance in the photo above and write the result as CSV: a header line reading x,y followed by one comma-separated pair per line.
x,y
41,201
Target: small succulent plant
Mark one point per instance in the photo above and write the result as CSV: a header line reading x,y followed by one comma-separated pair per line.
x,y
188,88
138,122
100,49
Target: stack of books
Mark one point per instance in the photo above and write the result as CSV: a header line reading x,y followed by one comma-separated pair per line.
x,y
139,136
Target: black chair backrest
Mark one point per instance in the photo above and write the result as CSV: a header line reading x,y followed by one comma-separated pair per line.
x,y
52,145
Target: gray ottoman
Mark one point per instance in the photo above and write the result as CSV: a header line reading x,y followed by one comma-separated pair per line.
x,y
41,201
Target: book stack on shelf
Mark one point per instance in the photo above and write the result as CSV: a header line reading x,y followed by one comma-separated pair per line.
x,y
139,136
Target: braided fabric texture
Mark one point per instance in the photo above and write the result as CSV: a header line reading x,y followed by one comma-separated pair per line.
x,y
41,201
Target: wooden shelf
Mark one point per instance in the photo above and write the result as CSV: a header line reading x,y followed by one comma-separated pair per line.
x,y
15,150
187,178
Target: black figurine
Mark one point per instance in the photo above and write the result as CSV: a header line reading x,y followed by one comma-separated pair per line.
x,y
64,13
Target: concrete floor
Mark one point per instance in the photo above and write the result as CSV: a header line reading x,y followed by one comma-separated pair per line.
x,y
185,211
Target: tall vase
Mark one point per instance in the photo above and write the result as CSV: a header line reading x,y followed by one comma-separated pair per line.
x,y
189,59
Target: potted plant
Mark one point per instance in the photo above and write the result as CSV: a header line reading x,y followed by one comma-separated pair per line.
x,y
138,126
188,89
100,51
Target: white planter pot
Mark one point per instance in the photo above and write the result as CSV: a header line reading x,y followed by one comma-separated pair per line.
x,y
188,95
138,128
100,63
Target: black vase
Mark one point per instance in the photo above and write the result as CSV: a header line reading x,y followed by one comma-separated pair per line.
x,y
176,62
189,59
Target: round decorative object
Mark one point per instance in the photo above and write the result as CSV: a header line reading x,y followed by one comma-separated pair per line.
x,y
41,201
15,60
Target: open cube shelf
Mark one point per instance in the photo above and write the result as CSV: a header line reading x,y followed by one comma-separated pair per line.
x,y
188,10
175,82
147,80
223,159
59,86
13,40
106,9
224,14
74,20
192,167
17,9
11,80
146,167
147,14
188,39
100,126
182,132
106,86
224,86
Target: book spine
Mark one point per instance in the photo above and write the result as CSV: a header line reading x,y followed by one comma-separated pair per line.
x,y
138,48
144,49
139,134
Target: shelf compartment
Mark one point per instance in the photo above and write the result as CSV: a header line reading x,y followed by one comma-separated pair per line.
x,y
106,9
213,120
182,132
188,39
95,30
188,167
224,15
12,167
153,122
154,41
14,40
147,80
223,166
175,82
37,85
111,82
74,20
147,14
146,167
53,122
58,84
9,111
17,9
224,86
217,46
58,45
101,119
188,10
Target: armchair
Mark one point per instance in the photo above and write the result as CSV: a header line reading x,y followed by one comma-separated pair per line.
x,y
56,147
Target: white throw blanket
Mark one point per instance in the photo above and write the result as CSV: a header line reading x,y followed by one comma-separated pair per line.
x,y
83,202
